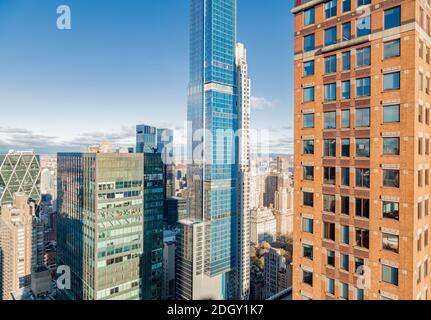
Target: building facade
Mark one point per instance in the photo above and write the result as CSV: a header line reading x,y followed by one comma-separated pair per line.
x,y
213,118
361,202
101,225
146,138
19,172
17,246
263,226
277,272
242,269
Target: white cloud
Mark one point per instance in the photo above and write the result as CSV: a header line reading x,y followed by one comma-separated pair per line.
x,y
260,103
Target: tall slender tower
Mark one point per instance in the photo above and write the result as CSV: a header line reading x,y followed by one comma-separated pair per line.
x,y
213,117
242,270
362,153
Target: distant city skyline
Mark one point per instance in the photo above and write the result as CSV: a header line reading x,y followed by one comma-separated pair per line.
x,y
65,90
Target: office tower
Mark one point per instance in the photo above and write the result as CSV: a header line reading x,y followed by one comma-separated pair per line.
x,y
362,132
146,138
271,182
101,225
175,209
153,226
168,279
263,226
213,117
242,269
17,246
277,271
19,172
192,283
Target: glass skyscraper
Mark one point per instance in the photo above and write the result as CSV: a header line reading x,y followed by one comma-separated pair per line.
x,y
213,120
19,172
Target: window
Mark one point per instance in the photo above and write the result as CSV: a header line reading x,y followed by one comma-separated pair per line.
x,y
345,61
427,85
391,146
308,173
307,225
362,208
344,291
345,177
421,49
419,275
331,258
363,178
359,264
421,81
363,87
330,92
420,113
330,64
391,210
392,49
330,9
419,243
346,5
363,148
329,148
345,118
345,204
309,16
345,147
308,199
392,18
346,31
329,203
309,42
309,120
420,210
308,146
391,113
308,94
329,175
426,238
344,234
309,68
420,144
330,286
359,294
419,178
363,2
362,238
363,57
345,90
390,274
329,120
391,178
344,262
390,242
307,251
329,231
363,26
427,55
363,117
307,277
391,81
330,36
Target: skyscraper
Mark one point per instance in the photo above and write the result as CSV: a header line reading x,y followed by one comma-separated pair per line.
x,y
362,134
101,225
213,117
19,172
242,269
18,246
146,138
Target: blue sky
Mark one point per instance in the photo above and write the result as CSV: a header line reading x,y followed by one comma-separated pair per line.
x,y
123,63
